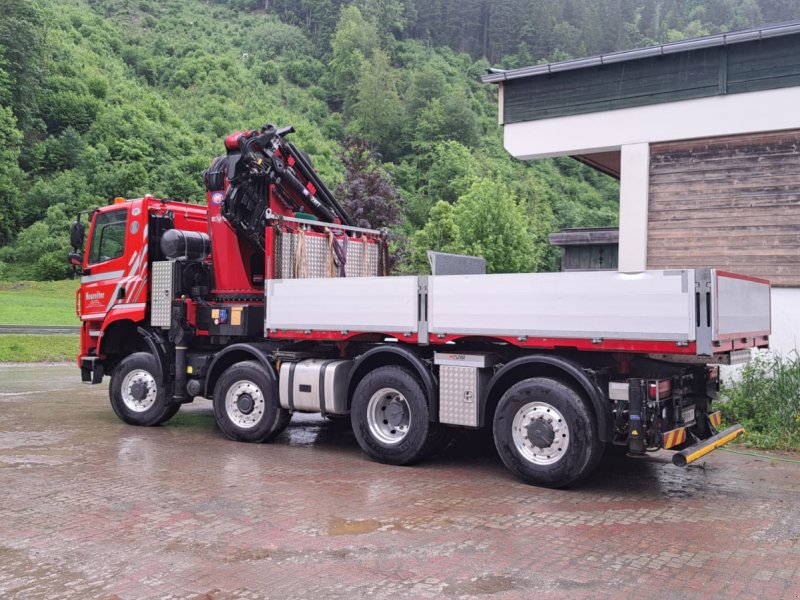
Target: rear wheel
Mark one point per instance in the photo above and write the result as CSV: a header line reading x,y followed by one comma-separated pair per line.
x,y
390,417
136,395
546,433
246,404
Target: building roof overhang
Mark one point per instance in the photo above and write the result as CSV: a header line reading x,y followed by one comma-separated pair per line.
x,y
711,41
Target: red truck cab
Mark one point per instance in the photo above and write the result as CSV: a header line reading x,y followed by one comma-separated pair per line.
x,y
112,299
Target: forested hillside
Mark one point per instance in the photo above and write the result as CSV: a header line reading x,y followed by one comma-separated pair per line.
x,y
104,98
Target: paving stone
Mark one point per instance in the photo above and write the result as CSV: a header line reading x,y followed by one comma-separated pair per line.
x,y
93,508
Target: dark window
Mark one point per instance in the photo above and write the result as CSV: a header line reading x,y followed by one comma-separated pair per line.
x,y
108,238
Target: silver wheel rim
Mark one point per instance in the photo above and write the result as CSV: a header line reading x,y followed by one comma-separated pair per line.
x,y
525,417
388,416
236,415
135,378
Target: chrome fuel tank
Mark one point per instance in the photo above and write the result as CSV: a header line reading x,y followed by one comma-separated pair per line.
x,y
315,385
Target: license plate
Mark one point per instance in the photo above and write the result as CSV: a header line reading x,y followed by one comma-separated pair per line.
x,y
688,414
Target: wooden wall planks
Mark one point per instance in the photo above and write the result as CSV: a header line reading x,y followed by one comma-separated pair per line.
x,y
731,203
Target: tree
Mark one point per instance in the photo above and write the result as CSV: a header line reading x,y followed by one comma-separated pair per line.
x,y
10,176
487,222
389,15
491,224
446,173
368,192
448,117
440,233
378,113
21,48
354,39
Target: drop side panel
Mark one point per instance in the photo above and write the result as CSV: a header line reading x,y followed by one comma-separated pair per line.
x,y
381,304
653,305
742,306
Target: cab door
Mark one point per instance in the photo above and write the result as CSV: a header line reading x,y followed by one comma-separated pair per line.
x,y
105,264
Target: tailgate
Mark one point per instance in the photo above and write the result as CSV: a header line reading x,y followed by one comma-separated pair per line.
x,y
737,311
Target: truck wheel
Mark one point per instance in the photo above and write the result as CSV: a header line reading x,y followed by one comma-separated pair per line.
x,y
246,404
136,396
546,433
390,417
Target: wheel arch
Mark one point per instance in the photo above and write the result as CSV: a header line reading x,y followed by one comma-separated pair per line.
x,y
557,367
400,356
121,337
234,354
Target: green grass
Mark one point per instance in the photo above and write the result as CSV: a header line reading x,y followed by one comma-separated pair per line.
x,y
766,400
38,302
38,348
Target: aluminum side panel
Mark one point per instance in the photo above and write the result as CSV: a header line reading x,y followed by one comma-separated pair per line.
x,y
653,305
742,306
384,304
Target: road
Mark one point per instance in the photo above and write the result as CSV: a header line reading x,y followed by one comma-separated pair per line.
x,y
40,329
92,508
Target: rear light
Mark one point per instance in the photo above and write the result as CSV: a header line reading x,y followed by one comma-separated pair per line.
x,y
712,374
660,389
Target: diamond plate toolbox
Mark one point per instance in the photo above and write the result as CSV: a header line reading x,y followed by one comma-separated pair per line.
x,y
162,292
462,378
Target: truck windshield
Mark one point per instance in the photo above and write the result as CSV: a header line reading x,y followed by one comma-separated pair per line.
x,y
108,237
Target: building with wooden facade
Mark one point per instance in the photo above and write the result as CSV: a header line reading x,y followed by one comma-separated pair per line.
x,y
704,136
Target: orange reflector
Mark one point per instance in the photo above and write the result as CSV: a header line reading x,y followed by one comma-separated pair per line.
x,y
674,438
715,418
119,200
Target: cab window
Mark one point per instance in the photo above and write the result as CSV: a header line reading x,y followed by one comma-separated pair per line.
x,y
108,237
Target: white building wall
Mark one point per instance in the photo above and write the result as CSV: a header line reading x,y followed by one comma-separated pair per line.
x,y
633,203
785,320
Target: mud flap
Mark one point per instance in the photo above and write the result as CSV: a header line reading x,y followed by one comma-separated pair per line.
x,y
91,369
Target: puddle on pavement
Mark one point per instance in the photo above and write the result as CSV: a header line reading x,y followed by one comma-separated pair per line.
x,y
20,439
481,586
339,526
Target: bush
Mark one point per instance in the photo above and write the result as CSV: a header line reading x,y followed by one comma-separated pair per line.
x,y
51,267
766,400
268,72
304,71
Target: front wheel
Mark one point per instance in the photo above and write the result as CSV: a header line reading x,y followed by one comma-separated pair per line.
x,y
390,417
246,404
136,395
546,433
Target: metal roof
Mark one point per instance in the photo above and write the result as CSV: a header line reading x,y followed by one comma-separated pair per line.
x,y
711,41
584,236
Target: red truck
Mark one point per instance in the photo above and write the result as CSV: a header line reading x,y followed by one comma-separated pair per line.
x,y
269,301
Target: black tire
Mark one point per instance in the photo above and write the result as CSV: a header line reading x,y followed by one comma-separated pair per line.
x,y
559,418
136,393
246,406
410,436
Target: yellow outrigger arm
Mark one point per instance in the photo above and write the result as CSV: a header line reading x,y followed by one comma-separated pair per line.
x,y
692,453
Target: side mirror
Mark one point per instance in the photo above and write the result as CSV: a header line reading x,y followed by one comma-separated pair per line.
x,y
75,259
77,233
